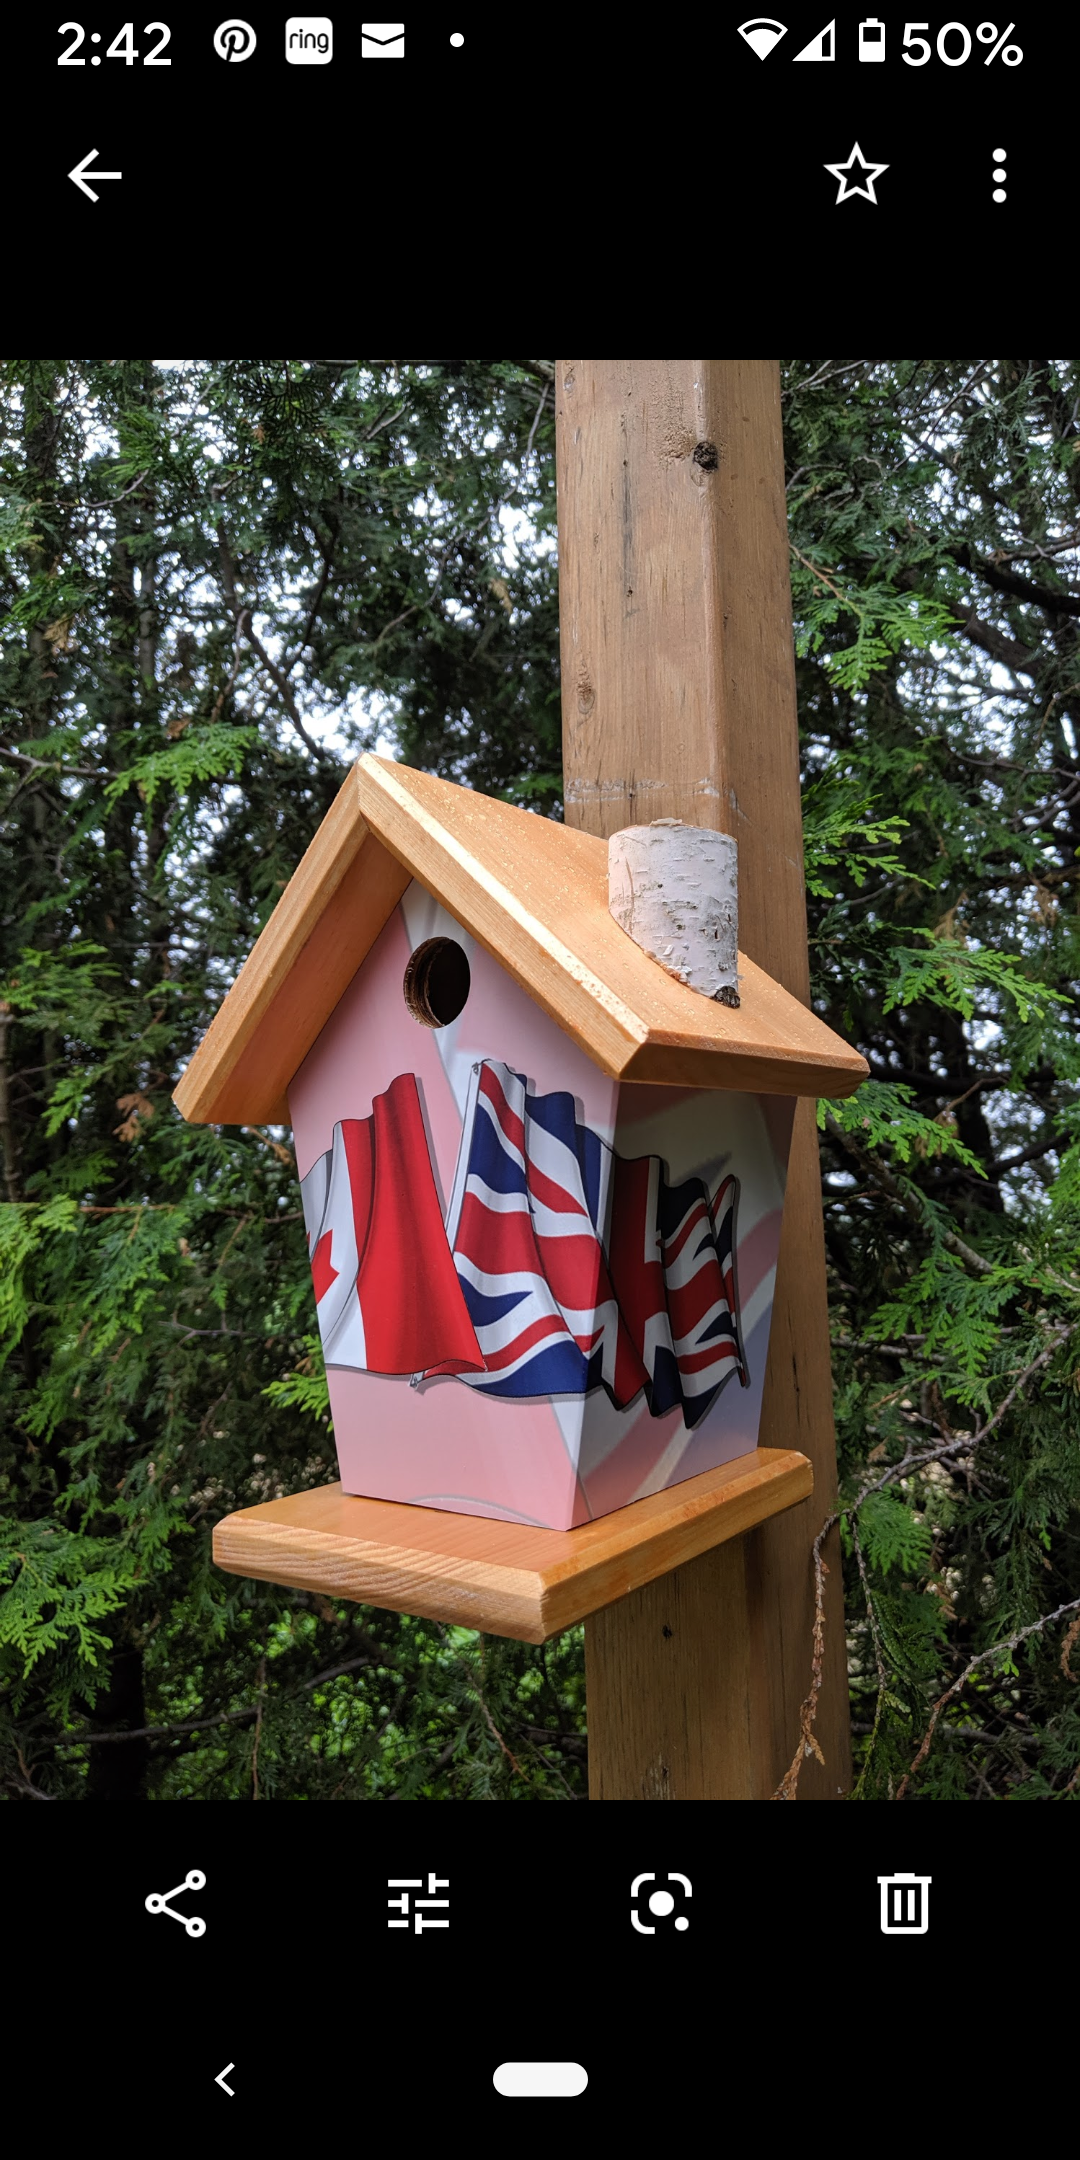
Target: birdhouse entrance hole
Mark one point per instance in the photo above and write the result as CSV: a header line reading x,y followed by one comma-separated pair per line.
x,y
437,982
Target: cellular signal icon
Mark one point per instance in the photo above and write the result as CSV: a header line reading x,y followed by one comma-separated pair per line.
x,y
762,33
821,47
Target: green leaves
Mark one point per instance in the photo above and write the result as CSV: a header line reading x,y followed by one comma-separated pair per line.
x,y
23,1230
305,1388
202,754
893,1536
53,986
57,1584
886,622
837,813
881,1115
940,720
950,973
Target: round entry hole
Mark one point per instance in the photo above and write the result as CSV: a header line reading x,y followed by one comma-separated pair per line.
x,y
437,982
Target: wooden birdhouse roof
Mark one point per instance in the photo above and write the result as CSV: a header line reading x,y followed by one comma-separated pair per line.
x,y
535,895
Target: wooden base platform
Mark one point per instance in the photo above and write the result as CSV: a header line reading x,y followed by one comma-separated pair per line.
x,y
503,1578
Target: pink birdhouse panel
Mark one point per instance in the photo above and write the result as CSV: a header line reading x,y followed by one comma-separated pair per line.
x,y
540,1295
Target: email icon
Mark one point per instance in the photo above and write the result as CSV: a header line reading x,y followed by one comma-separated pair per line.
x,y
382,41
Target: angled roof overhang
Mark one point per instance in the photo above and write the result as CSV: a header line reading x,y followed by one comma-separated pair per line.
x,y
535,895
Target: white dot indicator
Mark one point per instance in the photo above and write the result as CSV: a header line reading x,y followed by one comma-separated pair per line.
x,y
999,194
456,38
661,1903
95,60
682,1923
999,174
999,156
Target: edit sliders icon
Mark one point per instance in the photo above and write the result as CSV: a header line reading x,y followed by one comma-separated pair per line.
x,y
422,1913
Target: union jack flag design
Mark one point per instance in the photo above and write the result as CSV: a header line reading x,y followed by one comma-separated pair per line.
x,y
579,1268
673,1270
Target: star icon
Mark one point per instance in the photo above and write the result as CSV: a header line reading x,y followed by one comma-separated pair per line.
x,y
863,183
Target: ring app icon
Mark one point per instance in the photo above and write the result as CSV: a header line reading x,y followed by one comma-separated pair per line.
x,y
309,40
657,1906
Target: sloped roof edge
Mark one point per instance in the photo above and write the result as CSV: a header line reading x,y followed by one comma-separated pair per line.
x,y
534,894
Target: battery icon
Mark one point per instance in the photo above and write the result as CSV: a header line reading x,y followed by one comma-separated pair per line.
x,y
872,39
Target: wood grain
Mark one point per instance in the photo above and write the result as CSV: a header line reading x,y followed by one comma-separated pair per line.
x,y
679,701
536,895
503,1578
533,893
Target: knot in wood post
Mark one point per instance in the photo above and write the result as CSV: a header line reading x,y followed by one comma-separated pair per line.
x,y
674,889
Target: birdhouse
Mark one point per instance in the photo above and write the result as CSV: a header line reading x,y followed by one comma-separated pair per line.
x,y
542,1168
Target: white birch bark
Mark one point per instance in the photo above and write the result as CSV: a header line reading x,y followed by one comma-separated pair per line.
x,y
674,889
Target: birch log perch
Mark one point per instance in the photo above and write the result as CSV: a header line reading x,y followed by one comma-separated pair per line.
x,y
674,889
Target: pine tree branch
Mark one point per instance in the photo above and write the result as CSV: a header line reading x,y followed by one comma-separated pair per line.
x,y
1017,588
87,1738
998,1649
54,765
8,1145
32,1792
155,1732
966,1444
879,1656
313,611
246,628
883,1178
536,421
260,1680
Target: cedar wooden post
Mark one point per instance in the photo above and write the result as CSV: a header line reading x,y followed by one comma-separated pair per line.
x,y
678,698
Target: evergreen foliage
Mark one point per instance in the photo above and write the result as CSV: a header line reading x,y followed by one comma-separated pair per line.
x,y
219,581
935,522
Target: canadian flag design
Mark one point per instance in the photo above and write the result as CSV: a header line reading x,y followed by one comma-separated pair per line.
x,y
388,1295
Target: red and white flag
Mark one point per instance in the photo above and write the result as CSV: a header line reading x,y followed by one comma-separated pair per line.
x,y
387,1291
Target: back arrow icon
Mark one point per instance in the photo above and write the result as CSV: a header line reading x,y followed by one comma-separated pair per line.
x,y
221,2077
78,173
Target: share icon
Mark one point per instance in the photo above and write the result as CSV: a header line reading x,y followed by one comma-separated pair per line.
x,y
158,1902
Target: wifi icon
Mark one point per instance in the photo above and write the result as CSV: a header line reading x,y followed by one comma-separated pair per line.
x,y
762,34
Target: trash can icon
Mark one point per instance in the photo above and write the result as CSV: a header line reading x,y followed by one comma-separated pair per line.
x,y
905,1904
